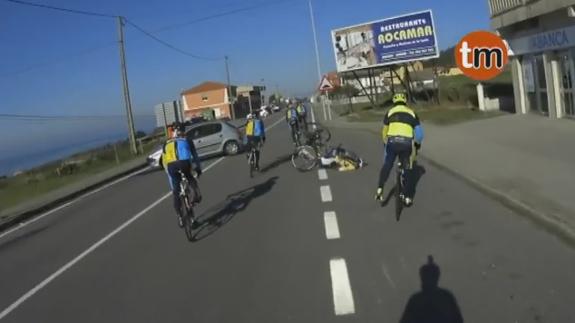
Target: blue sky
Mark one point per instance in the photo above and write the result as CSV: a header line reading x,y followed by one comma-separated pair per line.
x,y
273,43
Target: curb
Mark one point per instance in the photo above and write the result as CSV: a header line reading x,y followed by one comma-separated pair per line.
x,y
553,226
23,216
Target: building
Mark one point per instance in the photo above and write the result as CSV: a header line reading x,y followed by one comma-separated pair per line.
x,y
541,38
209,99
168,112
248,98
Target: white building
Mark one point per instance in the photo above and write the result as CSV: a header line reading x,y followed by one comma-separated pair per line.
x,y
541,36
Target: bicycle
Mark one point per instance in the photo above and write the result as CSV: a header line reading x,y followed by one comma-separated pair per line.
x,y
399,189
306,157
186,207
252,157
296,134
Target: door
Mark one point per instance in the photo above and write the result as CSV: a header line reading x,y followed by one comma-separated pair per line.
x,y
567,93
536,84
207,138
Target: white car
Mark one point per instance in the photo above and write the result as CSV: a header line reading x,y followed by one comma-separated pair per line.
x,y
264,112
276,108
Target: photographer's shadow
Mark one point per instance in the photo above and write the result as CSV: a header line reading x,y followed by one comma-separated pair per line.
x,y
220,214
432,304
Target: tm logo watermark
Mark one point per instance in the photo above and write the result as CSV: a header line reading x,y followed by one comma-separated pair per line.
x,y
481,55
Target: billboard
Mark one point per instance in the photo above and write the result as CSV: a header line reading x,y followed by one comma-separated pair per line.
x,y
384,42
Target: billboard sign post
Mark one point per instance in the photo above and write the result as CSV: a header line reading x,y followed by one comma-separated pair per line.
x,y
400,39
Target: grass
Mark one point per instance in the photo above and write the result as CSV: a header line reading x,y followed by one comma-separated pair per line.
x,y
44,179
435,115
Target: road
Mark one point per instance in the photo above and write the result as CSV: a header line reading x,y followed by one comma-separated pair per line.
x,y
275,249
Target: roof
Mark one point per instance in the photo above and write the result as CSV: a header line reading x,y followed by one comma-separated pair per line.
x,y
423,75
204,87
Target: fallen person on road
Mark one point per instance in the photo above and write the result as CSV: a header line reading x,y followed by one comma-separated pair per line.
x,y
345,160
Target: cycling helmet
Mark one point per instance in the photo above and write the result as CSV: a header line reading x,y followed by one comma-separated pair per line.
x,y
399,98
179,129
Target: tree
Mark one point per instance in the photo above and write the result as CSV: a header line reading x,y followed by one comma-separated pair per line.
x,y
346,91
272,99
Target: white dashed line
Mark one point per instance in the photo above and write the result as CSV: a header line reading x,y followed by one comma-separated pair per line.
x,y
322,174
331,227
325,193
387,276
79,198
341,288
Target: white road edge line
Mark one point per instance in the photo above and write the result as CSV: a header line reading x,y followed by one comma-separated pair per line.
x,y
275,123
341,288
325,193
86,252
39,217
331,227
322,174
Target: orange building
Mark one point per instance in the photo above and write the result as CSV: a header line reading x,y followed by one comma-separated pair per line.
x,y
209,99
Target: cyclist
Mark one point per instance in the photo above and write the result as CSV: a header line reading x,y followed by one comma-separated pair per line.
x,y
178,154
293,121
301,115
402,136
255,135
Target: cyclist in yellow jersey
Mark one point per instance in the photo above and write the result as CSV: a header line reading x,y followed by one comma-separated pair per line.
x,y
402,137
178,154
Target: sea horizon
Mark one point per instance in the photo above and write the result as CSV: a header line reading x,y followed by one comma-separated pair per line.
x,y
66,144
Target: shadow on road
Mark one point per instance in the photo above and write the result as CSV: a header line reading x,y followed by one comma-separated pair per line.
x,y
15,240
220,214
432,304
415,176
276,163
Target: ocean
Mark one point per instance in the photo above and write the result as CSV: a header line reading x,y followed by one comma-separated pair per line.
x,y
28,144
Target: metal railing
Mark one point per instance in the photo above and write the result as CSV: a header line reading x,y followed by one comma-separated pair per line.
x,y
497,7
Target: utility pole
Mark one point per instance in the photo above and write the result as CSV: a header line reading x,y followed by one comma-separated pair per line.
x,y
316,54
232,112
127,101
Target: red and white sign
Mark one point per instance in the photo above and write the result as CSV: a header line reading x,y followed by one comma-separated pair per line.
x,y
325,85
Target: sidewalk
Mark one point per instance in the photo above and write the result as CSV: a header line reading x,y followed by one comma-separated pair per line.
x,y
527,162
23,211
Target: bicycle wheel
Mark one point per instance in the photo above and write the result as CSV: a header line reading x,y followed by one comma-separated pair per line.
x,y
187,216
304,158
323,134
251,163
398,192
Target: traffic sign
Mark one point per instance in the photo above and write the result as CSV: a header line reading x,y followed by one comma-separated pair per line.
x,y
325,84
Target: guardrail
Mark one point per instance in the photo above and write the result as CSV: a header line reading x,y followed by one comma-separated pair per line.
x,y
497,7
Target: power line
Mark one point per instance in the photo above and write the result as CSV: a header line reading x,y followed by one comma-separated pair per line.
x,y
222,14
140,29
28,117
60,60
81,12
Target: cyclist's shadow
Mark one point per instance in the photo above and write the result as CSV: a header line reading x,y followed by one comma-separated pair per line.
x,y
220,214
432,303
416,174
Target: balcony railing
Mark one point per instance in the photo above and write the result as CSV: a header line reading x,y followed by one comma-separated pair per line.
x,y
498,7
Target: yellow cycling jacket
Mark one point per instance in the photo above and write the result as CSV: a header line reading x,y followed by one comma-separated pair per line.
x,y
400,121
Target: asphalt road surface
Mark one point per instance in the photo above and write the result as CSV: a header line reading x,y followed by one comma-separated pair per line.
x,y
286,246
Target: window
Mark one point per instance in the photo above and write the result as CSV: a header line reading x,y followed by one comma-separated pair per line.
x,y
204,97
204,130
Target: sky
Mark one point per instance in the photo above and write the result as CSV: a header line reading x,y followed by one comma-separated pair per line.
x,y
57,63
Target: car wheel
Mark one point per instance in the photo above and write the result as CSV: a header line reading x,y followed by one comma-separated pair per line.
x,y
231,147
